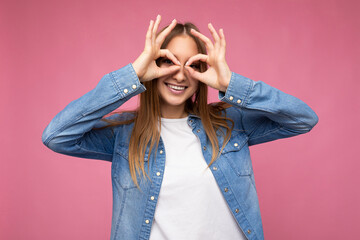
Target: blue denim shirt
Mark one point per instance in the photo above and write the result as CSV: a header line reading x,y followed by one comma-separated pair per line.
x,y
261,113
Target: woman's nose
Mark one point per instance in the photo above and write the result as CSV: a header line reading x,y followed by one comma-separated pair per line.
x,y
180,75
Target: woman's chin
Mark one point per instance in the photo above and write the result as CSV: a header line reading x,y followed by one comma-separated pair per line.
x,y
173,101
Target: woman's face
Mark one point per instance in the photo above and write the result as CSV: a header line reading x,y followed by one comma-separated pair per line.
x,y
176,88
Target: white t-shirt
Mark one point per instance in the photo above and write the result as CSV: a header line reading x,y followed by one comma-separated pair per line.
x,y
190,204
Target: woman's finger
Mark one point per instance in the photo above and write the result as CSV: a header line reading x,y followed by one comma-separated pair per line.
x,y
195,74
214,34
222,43
209,45
156,25
168,70
169,55
222,36
149,34
197,57
165,32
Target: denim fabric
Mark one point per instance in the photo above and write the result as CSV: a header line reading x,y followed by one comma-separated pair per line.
x,y
261,113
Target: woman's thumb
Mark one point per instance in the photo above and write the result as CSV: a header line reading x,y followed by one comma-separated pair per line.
x,y
194,74
168,70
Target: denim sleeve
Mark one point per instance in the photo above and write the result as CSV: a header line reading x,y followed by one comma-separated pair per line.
x,y
70,131
267,113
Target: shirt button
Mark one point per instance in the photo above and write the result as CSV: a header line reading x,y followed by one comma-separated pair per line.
x,y
204,147
237,210
152,197
236,144
147,221
158,174
133,86
161,151
191,120
215,168
226,189
238,101
248,231
198,130
231,98
125,90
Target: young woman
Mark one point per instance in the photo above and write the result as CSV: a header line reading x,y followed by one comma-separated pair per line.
x,y
181,167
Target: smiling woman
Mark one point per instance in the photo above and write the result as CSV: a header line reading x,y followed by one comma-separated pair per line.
x,y
181,168
176,88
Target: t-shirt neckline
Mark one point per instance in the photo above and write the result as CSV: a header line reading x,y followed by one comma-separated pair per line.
x,y
184,119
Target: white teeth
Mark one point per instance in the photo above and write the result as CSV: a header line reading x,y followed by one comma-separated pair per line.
x,y
176,87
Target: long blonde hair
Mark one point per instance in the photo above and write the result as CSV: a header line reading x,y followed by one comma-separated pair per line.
x,y
147,116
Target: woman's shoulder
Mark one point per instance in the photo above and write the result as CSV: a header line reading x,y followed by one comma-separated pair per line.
x,y
228,111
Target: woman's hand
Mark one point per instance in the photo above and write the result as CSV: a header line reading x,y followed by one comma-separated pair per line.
x,y
145,65
218,74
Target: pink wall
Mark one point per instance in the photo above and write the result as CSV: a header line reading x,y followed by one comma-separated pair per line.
x,y
52,52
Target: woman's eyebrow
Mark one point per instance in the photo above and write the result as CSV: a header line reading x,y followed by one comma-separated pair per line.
x,y
186,59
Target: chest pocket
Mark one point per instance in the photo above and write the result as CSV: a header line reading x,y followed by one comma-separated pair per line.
x,y
236,154
120,170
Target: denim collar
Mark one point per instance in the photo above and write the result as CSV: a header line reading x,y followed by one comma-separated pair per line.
x,y
191,115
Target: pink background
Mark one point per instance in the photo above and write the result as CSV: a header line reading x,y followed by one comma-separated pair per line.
x,y
53,52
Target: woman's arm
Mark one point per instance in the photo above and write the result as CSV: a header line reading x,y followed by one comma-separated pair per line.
x,y
69,132
266,112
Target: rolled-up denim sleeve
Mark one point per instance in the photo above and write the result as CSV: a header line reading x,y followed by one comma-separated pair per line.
x,y
266,112
71,131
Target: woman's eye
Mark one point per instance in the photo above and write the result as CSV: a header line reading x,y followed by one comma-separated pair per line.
x,y
196,66
167,61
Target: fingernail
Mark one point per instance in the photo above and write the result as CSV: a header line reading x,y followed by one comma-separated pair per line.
x,y
187,63
179,62
174,20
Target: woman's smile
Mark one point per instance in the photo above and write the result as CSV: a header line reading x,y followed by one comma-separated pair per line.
x,y
176,89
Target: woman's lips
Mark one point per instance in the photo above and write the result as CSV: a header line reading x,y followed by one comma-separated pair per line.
x,y
175,89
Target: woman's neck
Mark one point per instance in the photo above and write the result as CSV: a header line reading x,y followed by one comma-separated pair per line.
x,y
173,112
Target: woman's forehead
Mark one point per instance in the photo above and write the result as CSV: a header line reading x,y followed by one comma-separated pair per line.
x,y
183,47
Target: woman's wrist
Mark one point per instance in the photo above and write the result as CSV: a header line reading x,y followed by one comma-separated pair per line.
x,y
136,68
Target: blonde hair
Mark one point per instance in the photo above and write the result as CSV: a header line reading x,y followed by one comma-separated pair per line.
x,y
147,116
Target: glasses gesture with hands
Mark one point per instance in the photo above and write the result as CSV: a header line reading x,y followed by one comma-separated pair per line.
x,y
218,74
145,65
